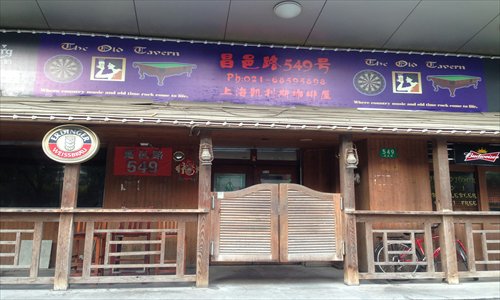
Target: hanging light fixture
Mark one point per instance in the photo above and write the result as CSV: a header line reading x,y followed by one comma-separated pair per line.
x,y
206,154
351,158
178,156
287,9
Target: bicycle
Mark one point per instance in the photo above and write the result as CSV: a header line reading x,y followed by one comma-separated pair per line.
x,y
401,255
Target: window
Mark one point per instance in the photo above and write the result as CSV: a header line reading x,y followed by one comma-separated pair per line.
x,y
228,182
463,191
29,179
493,187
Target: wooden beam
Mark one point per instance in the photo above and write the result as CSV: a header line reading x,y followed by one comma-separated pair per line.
x,y
441,169
70,186
444,203
88,249
37,247
65,233
484,204
203,239
351,271
448,250
369,247
181,249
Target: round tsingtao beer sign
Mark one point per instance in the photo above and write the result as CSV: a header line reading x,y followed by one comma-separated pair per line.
x,y
70,144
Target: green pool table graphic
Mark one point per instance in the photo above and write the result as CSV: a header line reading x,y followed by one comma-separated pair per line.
x,y
453,82
162,70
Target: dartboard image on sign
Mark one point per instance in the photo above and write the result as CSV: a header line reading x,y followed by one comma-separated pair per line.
x,y
369,82
63,68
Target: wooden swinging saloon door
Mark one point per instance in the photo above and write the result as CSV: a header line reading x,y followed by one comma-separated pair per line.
x,y
276,223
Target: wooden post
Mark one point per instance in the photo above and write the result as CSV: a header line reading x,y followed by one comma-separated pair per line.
x,y
181,248
203,240
36,249
65,234
351,272
88,249
444,203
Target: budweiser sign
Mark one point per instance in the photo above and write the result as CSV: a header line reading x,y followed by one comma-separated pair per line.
x,y
477,154
480,155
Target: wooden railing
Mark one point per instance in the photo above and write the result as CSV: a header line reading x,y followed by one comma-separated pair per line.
x,y
479,233
106,254
31,224
482,244
402,245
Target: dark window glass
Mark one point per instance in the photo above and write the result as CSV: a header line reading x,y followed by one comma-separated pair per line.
x,y
493,187
463,191
29,179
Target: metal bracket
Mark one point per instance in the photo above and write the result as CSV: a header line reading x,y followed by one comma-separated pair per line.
x,y
211,248
341,203
213,201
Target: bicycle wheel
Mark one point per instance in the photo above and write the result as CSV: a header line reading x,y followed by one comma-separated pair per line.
x,y
462,260
402,254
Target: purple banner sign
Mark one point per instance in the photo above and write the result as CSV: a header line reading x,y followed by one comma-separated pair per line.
x,y
48,65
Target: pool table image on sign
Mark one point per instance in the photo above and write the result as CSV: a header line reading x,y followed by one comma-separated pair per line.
x,y
453,82
162,70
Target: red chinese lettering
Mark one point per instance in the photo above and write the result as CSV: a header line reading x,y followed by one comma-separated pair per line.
x,y
298,93
254,92
270,62
226,61
312,94
227,91
323,64
269,92
283,93
248,61
242,92
325,95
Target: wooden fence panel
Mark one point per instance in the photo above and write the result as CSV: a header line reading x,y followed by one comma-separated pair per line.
x,y
420,255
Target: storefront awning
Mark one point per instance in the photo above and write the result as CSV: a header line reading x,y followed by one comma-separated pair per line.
x,y
224,115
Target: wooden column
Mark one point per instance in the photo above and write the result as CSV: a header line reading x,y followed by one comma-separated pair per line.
x,y
36,249
65,234
351,272
203,240
443,204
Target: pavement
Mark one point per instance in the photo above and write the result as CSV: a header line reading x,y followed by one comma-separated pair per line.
x,y
269,282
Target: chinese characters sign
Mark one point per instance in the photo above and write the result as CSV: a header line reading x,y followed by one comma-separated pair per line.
x,y
285,79
66,65
143,161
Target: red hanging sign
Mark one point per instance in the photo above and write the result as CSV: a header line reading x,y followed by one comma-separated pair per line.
x,y
143,161
187,169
